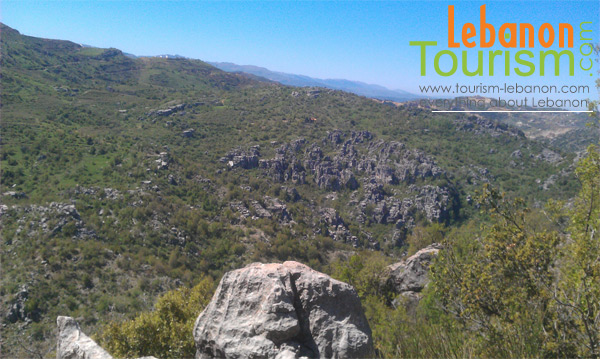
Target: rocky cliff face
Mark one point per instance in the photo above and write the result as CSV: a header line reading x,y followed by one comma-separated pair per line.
x,y
388,182
351,155
282,311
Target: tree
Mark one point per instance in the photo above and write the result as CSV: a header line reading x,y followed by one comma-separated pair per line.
x,y
527,288
497,285
577,290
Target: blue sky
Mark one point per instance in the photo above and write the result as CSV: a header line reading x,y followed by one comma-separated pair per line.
x,y
356,40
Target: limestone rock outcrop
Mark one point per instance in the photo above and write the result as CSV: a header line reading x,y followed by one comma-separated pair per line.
x,y
282,311
369,168
409,277
74,344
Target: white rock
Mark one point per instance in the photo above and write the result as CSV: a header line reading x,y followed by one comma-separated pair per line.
x,y
282,311
74,344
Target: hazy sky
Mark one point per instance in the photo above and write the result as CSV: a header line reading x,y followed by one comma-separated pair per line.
x,y
359,40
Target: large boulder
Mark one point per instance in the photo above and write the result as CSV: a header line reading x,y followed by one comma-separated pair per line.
x,y
282,311
409,277
74,344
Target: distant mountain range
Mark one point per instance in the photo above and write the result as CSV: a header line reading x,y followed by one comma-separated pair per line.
x,y
356,87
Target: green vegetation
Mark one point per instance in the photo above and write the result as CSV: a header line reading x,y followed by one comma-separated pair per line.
x,y
526,284
93,227
166,332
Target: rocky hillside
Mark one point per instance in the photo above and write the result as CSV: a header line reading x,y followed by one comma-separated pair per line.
x,y
385,183
122,177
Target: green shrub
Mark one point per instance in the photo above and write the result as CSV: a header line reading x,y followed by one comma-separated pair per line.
x,y
166,332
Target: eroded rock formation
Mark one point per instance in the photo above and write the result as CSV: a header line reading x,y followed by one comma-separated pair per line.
x,y
409,277
282,311
74,344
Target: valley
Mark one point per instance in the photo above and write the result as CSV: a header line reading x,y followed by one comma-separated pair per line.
x,y
125,178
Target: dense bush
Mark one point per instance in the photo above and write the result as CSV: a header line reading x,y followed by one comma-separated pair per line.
x,y
524,288
165,332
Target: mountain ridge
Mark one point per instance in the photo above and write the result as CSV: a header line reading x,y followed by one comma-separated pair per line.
x,y
356,87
